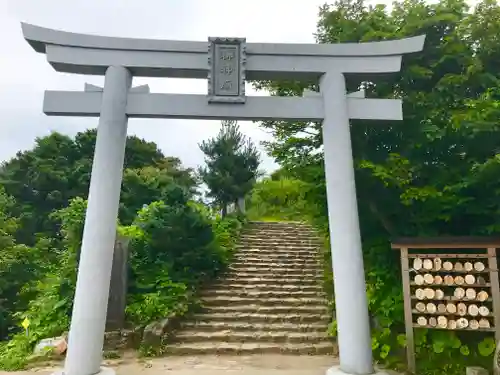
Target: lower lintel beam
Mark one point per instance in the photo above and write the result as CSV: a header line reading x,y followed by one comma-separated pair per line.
x,y
188,106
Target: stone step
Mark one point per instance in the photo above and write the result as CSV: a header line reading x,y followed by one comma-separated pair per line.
x,y
312,256
261,294
267,287
270,262
273,270
282,237
266,249
281,231
271,278
262,318
286,230
279,224
258,309
246,336
278,265
272,301
272,249
273,260
248,348
244,326
276,241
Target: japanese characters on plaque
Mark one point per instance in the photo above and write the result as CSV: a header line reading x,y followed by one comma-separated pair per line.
x,y
226,76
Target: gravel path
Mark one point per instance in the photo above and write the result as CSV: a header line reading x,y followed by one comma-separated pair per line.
x,y
269,364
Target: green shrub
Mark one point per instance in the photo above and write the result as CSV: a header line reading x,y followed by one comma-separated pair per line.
x,y
175,247
49,313
282,199
174,250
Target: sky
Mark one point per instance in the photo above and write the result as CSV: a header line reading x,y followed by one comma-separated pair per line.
x,y
25,74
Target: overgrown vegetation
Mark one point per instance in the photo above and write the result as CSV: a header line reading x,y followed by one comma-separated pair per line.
x,y
176,243
437,173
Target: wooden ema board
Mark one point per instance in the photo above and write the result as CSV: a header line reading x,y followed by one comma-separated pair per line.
x,y
444,289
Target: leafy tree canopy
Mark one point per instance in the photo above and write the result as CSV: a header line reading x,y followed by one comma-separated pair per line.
x,y
435,173
58,169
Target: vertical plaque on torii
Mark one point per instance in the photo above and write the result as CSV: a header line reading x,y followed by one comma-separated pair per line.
x,y
226,70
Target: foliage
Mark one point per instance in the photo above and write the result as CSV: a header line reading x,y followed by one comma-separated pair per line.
x,y
57,169
435,174
175,249
49,313
281,199
18,266
232,163
176,244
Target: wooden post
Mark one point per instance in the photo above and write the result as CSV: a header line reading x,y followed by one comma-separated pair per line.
x,y
495,290
117,300
410,345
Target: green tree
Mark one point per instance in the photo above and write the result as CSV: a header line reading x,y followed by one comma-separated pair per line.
x,y
232,163
278,199
436,173
20,267
58,169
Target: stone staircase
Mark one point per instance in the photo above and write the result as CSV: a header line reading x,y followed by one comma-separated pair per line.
x,y
270,301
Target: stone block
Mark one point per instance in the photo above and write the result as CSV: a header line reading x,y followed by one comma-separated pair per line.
x,y
117,300
155,332
476,371
123,339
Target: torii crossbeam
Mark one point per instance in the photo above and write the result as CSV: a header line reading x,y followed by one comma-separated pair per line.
x,y
190,106
227,63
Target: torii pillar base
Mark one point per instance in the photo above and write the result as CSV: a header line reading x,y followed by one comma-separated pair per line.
x,y
103,371
337,371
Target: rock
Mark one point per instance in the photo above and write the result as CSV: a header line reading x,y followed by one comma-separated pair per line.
x,y
154,332
123,339
133,337
476,371
112,340
56,345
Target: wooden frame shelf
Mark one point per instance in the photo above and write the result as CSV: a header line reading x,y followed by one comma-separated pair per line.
x,y
492,329
416,312
455,250
451,299
438,286
473,272
449,256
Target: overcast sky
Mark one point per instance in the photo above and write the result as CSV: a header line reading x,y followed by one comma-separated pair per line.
x,y
24,74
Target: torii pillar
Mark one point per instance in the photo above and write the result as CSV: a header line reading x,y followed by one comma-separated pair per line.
x,y
227,63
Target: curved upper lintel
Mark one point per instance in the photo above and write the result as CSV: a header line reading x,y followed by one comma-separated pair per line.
x,y
39,37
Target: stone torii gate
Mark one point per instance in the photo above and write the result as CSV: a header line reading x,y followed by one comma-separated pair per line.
x,y
227,63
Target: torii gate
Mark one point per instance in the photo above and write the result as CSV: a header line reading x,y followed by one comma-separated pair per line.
x,y
227,63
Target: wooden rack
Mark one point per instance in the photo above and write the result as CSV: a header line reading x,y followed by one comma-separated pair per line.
x,y
450,291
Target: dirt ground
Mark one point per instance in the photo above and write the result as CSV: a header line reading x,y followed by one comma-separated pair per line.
x,y
210,365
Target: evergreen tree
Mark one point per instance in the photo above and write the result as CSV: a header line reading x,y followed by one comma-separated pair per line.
x,y
232,163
